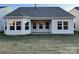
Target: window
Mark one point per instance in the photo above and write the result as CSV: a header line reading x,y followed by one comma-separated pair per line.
x,y
40,25
27,26
34,25
5,25
47,25
18,25
12,23
65,25
59,25
74,25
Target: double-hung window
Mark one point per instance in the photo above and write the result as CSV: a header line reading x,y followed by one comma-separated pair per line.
x,y
59,25
18,25
74,25
34,25
47,25
62,25
5,25
27,26
40,25
65,24
12,25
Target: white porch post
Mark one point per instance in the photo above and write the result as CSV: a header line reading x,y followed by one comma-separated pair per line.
x,y
30,26
52,27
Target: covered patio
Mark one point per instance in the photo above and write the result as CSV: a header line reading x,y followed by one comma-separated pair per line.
x,y
40,26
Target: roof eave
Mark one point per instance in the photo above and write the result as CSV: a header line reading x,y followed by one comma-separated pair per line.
x,y
21,17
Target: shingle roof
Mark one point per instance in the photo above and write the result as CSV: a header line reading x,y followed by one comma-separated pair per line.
x,y
2,6
76,8
40,12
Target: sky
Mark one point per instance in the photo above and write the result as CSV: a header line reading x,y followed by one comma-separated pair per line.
x,y
66,7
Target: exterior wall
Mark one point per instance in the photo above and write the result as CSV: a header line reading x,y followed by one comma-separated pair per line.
x,y
76,20
18,32
26,31
54,29
1,25
3,11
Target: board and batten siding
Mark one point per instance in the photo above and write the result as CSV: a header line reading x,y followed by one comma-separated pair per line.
x,y
18,32
76,19
70,30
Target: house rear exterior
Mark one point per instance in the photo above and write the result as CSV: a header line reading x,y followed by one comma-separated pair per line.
x,y
30,20
75,12
3,11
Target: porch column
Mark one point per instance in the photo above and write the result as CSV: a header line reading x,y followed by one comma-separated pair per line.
x,y
51,30
53,26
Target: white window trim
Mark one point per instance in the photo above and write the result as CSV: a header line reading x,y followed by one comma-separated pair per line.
x,y
9,25
62,25
59,25
14,25
27,25
65,25
18,25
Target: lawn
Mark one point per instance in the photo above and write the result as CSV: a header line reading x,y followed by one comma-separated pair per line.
x,y
39,44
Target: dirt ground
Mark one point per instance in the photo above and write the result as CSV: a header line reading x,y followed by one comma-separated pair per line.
x,y
39,44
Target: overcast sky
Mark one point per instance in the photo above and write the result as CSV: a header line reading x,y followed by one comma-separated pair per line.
x,y
67,7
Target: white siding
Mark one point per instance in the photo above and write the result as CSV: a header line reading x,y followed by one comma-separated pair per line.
x,y
53,28
3,11
26,31
76,20
18,32
1,25
70,30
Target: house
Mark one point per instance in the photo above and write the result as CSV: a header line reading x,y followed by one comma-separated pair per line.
x,y
35,20
3,11
75,12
